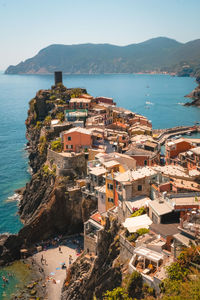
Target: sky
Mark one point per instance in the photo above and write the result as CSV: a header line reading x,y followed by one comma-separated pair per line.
x,y
27,26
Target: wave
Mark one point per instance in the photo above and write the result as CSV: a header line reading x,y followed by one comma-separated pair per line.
x,y
14,197
180,103
30,170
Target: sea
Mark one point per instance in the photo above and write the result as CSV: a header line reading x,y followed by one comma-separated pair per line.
x,y
158,97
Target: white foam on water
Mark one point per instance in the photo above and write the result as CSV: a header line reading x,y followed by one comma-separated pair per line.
x,y
14,197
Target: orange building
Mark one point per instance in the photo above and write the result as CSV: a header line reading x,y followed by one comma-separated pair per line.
x,y
77,139
173,148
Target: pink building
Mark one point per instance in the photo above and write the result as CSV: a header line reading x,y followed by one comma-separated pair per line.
x,y
77,139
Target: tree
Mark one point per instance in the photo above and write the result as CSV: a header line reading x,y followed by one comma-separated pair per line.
x,y
47,121
116,294
134,286
60,116
56,145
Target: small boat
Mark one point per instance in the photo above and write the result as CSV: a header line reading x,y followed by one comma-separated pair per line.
x,y
177,137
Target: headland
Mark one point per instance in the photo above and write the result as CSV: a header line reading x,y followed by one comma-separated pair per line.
x,y
97,169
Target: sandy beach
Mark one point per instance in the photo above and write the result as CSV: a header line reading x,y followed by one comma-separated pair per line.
x,y
51,261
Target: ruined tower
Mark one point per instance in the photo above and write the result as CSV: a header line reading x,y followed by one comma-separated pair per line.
x,y
58,77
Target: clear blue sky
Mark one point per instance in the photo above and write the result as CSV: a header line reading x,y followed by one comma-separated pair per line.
x,y
30,25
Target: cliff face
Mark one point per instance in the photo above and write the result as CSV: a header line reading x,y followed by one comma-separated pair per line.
x,y
195,95
47,207
91,276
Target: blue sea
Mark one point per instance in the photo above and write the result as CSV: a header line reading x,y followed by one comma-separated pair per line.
x,y
159,97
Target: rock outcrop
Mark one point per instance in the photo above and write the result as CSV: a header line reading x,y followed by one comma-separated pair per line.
x,y
94,275
47,207
195,95
10,246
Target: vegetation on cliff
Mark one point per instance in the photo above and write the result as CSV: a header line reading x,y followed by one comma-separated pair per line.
x,y
182,282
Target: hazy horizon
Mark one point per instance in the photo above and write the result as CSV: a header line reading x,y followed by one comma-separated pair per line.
x,y
29,26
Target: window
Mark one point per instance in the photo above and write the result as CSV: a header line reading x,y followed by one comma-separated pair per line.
x,y
69,138
120,197
139,187
145,162
110,186
110,200
69,146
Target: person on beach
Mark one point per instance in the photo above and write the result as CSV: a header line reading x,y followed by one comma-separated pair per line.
x,y
42,258
59,248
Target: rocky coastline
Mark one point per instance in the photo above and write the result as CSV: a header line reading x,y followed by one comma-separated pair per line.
x,y
45,209
194,95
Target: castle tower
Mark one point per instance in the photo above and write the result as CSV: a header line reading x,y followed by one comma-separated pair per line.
x,y
58,77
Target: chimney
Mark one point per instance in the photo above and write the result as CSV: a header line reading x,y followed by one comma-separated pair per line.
x,y
58,77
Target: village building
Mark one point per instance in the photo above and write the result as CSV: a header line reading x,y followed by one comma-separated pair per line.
x,y
74,115
92,230
190,159
134,183
105,100
189,232
77,139
174,147
139,129
144,157
80,103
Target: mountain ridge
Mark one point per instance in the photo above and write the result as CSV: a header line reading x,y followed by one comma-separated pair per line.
x,y
158,54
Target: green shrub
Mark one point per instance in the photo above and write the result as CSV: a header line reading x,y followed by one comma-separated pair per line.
x,y
53,97
76,93
142,231
42,145
134,286
38,125
177,272
117,294
47,121
56,145
60,116
133,237
141,211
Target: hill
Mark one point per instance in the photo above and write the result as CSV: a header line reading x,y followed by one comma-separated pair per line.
x,y
158,54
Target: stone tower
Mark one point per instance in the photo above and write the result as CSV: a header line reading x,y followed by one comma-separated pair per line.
x,y
58,77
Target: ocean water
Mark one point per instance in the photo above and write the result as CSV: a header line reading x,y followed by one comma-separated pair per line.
x,y
158,97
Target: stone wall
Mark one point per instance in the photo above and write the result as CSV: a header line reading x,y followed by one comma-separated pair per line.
x,y
90,244
67,163
126,249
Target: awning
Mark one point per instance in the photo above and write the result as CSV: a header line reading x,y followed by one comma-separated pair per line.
x,y
135,223
148,254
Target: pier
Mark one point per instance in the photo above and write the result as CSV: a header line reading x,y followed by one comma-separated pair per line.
x,y
167,133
